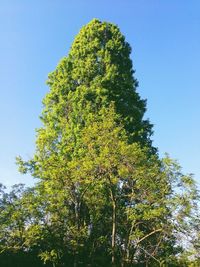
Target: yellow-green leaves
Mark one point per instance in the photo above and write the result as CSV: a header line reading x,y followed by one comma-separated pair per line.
x,y
102,188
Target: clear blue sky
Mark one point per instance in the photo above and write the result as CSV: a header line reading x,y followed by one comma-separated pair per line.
x,y
165,37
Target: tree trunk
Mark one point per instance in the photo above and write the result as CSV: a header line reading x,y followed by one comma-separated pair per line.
x,y
113,232
77,223
75,261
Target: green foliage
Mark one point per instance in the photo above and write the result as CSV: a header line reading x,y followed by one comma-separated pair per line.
x,y
103,196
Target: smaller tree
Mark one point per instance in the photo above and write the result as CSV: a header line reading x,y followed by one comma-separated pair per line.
x,y
12,219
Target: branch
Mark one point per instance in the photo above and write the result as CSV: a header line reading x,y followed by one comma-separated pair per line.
x,y
153,232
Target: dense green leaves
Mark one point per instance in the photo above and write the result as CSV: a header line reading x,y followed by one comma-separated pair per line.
x,y
103,197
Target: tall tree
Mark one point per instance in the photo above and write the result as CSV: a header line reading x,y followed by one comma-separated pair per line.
x,y
103,197
97,71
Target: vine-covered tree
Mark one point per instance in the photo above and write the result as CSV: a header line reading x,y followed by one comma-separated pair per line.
x,y
103,197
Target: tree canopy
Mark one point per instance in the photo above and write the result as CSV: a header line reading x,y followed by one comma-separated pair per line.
x,y
103,196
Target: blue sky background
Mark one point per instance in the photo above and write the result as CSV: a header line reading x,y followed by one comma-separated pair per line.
x,y
165,37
